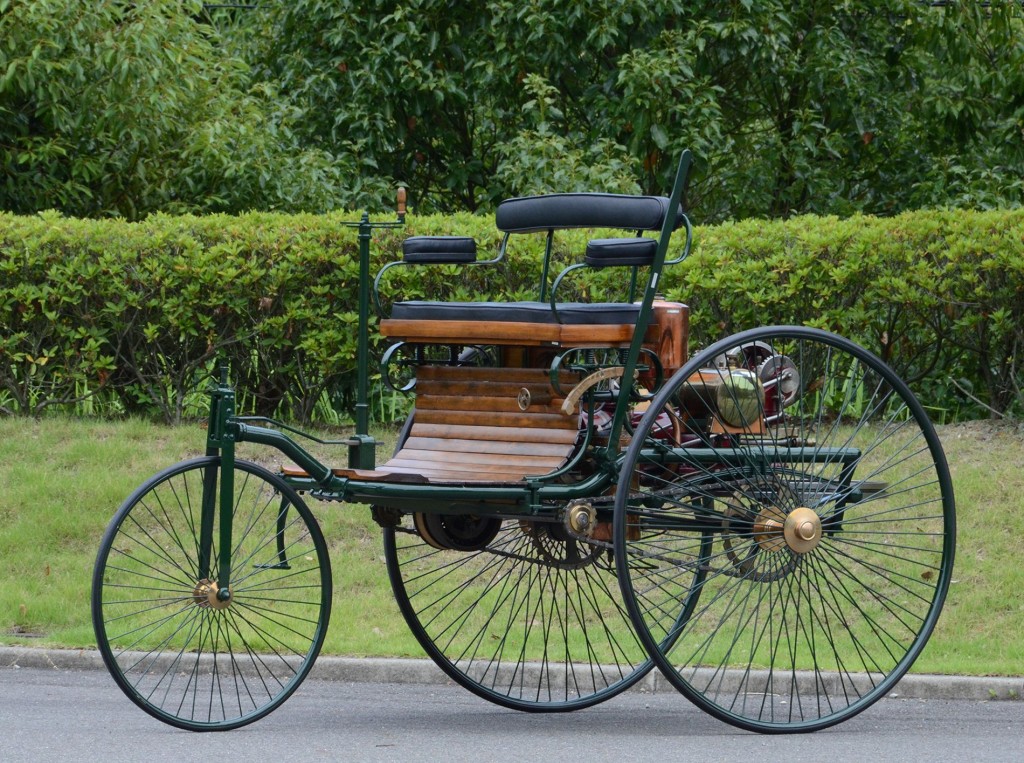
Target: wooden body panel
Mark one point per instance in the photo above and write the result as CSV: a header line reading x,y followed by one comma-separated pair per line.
x,y
469,428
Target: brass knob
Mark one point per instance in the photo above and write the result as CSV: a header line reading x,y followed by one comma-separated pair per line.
x,y
401,203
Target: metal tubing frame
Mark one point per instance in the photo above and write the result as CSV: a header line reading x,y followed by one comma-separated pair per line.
x,y
379,308
529,498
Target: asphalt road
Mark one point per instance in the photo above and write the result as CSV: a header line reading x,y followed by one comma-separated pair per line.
x,y
61,715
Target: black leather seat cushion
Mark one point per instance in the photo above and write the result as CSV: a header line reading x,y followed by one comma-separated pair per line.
x,y
573,313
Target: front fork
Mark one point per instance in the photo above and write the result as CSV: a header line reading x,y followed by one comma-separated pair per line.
x,y
220,440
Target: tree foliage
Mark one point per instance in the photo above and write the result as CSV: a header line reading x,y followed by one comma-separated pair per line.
x,y
790,107
833,107
466,102
118,108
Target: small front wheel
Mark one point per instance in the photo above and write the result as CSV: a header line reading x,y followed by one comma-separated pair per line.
x,y
180,652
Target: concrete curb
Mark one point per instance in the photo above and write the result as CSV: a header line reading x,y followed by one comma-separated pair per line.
x,y
411,671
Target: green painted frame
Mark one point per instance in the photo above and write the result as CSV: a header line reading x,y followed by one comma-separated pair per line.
x,y
533,497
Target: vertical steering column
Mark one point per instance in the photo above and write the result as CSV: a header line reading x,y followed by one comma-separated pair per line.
x,y
361,454
362,346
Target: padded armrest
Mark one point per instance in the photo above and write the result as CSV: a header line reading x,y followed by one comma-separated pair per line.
x,y
436,250
603,252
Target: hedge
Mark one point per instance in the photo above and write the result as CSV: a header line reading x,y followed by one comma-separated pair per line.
x,y
939,295
111,317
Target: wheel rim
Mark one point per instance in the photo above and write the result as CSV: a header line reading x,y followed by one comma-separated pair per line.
x,y
183,654
831,532
534,621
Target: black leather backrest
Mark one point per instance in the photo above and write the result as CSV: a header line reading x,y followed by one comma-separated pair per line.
x,y
527,214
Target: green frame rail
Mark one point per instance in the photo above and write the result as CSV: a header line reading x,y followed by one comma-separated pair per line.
x,y
536,497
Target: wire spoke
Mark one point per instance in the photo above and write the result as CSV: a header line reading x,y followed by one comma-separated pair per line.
x,y
792,543
185,656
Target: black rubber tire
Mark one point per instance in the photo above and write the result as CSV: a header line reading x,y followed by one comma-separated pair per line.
x,y
181,659
787,621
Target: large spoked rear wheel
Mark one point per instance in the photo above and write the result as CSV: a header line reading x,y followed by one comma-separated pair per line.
x,y
519,613
175,649
784,529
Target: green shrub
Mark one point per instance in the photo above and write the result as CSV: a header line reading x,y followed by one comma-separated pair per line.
x,y
939,295
109,317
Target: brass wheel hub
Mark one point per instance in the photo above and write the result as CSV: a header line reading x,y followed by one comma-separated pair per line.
x,y
768,529
581,519
800,530
205,595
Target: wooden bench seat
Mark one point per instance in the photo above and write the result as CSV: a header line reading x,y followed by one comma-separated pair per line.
x,y
512,333
469,429
529,324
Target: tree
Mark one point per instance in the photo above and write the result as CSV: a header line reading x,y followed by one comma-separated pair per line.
x,y
790,107
119,108
445,96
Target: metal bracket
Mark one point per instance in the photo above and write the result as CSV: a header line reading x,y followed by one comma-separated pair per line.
x,y
577,392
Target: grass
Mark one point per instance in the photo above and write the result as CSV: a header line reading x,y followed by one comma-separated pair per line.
x,y
984,613
62,480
